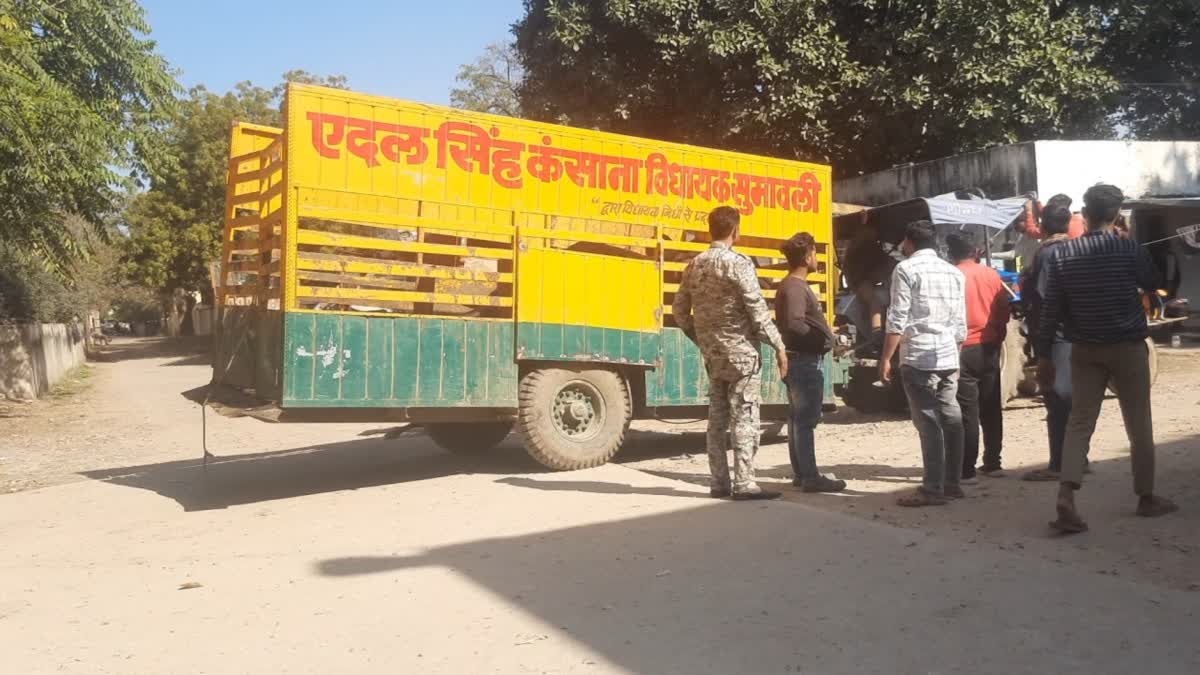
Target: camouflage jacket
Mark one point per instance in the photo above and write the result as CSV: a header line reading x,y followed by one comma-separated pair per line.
x,y
720,306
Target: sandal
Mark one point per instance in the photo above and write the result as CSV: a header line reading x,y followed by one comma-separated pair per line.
x,y
1068,522
920,497
955,493
1157,506
1042,476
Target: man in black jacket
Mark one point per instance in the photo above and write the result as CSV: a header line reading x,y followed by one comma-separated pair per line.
x,y
807,336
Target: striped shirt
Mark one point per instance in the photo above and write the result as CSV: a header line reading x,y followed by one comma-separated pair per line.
x,y
929,311
1091,290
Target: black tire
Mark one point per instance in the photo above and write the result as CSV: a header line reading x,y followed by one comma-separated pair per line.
x,y
1152,354
468,437
861,393
573,418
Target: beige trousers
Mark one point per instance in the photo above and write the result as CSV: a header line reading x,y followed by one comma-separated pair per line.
x,y
1127,364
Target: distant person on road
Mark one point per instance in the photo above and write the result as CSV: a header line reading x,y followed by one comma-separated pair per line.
x,y
1092,288
927,322
808,339
979,372
720,307
1057,395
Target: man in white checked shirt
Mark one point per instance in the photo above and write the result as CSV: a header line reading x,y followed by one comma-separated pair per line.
x,y
927,322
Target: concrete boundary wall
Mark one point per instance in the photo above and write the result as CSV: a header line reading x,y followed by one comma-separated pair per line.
x,y
36,356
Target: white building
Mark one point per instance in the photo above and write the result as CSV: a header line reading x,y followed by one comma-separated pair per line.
x,y
1139,168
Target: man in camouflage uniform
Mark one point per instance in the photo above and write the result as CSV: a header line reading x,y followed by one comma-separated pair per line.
x,y
720,307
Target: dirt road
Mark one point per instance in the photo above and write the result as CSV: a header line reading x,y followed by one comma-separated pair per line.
x,y
316,549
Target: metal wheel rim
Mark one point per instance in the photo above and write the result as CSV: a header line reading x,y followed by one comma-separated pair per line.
x,y
577,411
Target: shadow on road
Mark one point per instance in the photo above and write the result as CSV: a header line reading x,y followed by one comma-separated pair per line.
x,y
318,469
598,487
187,351
741,588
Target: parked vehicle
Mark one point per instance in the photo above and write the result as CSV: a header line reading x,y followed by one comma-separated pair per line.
x,y
387,260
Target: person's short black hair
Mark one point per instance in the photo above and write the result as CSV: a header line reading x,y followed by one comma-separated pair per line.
x,y
1056,219
797,249
961,246
922,235
1059,200
722,222
1102,203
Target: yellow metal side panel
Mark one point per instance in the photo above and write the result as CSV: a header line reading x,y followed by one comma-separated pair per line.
x,y
579,289
479,164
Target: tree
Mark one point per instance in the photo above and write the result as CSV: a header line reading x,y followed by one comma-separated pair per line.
x,y
175,227
30,292
863,84
490,83
1153,49
80,88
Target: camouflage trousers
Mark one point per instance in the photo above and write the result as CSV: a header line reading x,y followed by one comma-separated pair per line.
x,y
733,423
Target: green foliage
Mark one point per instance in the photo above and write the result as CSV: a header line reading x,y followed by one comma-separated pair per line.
x,y
1153,48
136,304
863,84
80,89
31,292
175,227
490,84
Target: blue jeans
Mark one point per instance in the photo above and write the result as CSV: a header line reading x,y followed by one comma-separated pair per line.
x,y
1058,402
806,392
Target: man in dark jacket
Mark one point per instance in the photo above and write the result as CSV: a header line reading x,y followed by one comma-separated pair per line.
x,y
1057,395
1093,287
807,336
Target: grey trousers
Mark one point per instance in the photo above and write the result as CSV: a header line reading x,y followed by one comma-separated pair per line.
x,y
933,402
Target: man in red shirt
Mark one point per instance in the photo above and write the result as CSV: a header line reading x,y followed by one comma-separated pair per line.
x,y
979,374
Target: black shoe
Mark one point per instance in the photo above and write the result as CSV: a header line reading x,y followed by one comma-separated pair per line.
x,y
719,493
756,495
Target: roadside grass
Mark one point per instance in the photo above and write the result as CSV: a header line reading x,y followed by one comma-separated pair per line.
x,y
76,382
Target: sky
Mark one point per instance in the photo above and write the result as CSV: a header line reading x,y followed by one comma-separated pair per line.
x,y
407,49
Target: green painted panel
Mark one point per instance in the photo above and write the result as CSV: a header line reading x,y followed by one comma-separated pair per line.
x,y
553,339
335,360
355,357
429,362
379,359
529,335
476,366
575,340
559,342
454,362
670,375
682,379
692,376
502,361
299,345
327,382
406,352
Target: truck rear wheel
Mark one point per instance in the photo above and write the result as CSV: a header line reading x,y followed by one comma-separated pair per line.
x,y
468,437
573,418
